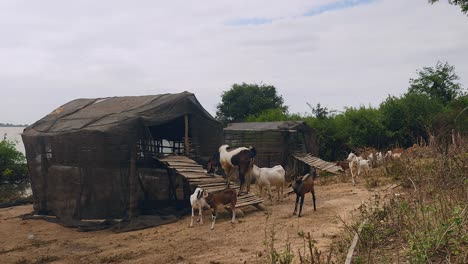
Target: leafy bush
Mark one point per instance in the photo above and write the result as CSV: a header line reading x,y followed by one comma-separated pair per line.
x,y
13,167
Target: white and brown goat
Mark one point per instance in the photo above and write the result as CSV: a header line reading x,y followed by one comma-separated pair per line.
x,y
217,199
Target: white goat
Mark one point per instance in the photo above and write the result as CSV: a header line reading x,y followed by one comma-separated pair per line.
x,y
372,160
353,161
363,164
266,177
198,202
379,158
392,156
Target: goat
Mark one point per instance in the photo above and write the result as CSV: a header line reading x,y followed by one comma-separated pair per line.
x,y
198,202
344,165
390,155
224,197
363,164
241,158
301,186
372,161
353,161
379,158
270,176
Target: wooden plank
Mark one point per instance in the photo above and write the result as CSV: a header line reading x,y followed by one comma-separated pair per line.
x,y
216,189
198,168
189,170
213,184
179,161
247,204
182,165
248,199
349,256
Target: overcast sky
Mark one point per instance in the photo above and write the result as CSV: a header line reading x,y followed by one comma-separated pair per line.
x,y
336,52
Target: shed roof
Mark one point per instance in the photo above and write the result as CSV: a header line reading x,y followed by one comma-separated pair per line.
x,y
264,126
106,113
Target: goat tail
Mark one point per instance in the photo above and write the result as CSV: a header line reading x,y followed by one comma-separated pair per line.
x,y
314,175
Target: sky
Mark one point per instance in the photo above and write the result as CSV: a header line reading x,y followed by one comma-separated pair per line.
x,y
339,53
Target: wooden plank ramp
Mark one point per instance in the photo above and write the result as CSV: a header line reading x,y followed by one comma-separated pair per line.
x,y
318,163
198,177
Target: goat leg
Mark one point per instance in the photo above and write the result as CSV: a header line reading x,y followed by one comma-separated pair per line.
x,y
200,215
300,208
213,217
242,185
295,207
313,197
278,190
269,193
191,220
233,208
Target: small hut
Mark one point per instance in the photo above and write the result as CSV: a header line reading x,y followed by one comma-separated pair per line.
x,y
93,158
275,142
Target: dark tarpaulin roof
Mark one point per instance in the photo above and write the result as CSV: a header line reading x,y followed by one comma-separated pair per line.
x,y
104,114
264,126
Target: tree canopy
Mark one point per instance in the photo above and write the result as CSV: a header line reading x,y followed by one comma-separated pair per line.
x,y
463,4
244,100
437,82
433,100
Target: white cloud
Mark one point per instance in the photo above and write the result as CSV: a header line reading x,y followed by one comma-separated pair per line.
x,y
55,51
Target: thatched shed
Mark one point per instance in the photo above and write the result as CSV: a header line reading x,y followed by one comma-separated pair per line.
x,y
91,158
275,142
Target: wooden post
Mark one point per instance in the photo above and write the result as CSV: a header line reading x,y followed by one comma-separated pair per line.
x,y
132,183
186,142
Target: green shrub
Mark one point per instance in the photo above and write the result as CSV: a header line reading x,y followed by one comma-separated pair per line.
x,y
13,167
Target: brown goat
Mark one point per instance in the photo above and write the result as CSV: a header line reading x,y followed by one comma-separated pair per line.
x,y
302,186
343,164
224,197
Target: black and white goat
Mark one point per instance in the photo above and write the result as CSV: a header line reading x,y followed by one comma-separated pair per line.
x,y
198,202
241,158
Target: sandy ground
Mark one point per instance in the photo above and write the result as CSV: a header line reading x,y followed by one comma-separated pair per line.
x,y
177,243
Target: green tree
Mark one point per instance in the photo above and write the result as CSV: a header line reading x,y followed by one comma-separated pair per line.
x,y
244,100
275,114
437,82
12,163
463,4
408,117
319,111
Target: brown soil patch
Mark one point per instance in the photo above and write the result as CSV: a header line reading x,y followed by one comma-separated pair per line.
x,y
176,242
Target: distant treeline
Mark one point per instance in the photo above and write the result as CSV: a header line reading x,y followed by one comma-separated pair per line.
x,y
435,104
12,125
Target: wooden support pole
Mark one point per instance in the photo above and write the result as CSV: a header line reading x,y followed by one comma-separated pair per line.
x,y
186,142
132,184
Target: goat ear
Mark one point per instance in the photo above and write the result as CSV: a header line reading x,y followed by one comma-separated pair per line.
x,y
205,194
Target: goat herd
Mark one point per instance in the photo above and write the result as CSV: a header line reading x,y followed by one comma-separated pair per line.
x,y
242,159
370,160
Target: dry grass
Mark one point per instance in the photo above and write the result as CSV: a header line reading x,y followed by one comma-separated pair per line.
x,y
427,221
423,221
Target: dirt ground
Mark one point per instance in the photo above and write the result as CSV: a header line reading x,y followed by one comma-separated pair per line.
x,y
38,241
